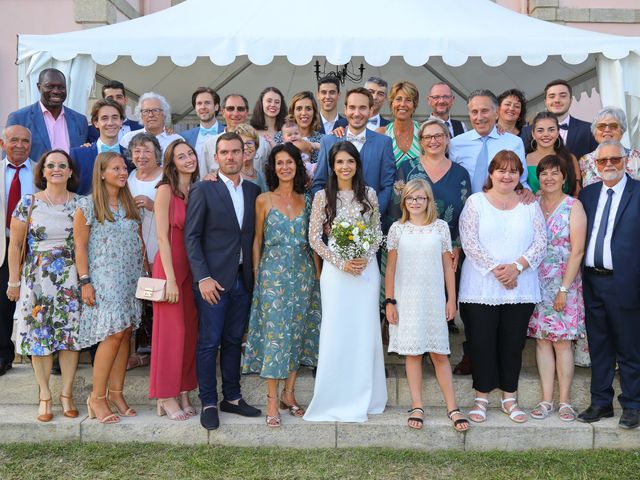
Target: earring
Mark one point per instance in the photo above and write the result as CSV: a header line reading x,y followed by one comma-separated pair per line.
x,y
102,178
534,144
558,143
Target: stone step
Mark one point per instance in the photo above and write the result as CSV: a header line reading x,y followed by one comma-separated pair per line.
x,y
18,424
18,386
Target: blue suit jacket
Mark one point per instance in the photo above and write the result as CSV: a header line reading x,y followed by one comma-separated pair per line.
x,y
212,236
191,135
340,122
580,141
378,165
31,117
94,134
624,239
84,158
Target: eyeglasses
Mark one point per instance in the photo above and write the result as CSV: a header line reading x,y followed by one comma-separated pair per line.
x,y
53,166
148,111
139,153
614,161
411,200
232,108
603,126
250,143
437,98
438,136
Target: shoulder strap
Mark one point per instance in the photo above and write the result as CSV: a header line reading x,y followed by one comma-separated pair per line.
x,y
23,249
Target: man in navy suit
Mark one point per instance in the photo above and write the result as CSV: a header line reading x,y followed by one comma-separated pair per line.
x,y
107,117
114,90
376,151
219,234
575,133
441,100
206,103
52,125
328,95
611,286
378,88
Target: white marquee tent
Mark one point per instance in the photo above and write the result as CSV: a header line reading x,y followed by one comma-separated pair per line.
x,y
244,47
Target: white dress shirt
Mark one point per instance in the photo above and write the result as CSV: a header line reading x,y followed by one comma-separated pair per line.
x,y
328,124
447,122
563,131
26,181
607,261
360,139
237,197
374,122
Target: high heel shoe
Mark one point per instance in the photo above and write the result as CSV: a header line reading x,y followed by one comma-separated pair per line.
x,y
109,419
178,415
71,413
273,421
295,410
45,417
129,412
189,410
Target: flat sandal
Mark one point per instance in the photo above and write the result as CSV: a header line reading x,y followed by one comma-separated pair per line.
x,y
413,418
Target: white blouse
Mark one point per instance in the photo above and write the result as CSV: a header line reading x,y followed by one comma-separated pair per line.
x,y
148,189
491,237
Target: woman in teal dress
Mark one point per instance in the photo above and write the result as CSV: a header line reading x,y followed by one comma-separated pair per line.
x,y
284,326
546,140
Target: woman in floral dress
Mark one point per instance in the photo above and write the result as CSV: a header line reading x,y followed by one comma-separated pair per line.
x,y
558,319
48,309
285,314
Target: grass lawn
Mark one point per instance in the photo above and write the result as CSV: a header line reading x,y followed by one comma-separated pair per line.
x,y
133,461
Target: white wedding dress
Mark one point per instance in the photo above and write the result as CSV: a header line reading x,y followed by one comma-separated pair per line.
x,y
350,380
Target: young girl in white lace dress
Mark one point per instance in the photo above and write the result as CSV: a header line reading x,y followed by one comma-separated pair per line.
x,y
419,266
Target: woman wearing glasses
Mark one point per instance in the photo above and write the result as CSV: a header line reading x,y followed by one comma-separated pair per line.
x,y
252,143
610,123
48,309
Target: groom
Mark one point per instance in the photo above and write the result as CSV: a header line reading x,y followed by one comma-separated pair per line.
x,y
219,231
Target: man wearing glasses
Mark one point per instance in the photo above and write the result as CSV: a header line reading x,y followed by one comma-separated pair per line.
x,y
155,113
611,283
441,100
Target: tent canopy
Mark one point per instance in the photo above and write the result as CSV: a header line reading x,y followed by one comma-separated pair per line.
x,y
244,47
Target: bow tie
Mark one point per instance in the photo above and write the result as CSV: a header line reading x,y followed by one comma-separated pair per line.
x,y
563,126
106,148
209,131
356,138
373,120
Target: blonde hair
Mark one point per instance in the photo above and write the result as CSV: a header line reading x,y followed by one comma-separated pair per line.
x,y
100,196
409,89
428,123
246,130
416,185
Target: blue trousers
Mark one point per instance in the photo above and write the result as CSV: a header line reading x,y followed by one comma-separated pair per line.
x,y
221,326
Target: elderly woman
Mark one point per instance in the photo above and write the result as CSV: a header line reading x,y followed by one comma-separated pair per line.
x,y
250,171
610,123
512,111
559,318
304,109
504,241
48,309
269,113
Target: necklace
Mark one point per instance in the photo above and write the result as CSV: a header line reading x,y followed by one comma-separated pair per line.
x,y
499,203
547,208
51,203
288,205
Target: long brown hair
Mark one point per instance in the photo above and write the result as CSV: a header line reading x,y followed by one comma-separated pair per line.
x,y
170,175
315,124
100,196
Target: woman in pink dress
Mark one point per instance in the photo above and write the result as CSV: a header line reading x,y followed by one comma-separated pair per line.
x,y
558,319
175,321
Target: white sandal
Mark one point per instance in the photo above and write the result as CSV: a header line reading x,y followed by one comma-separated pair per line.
x,y
542,410
513,411
481,405
567,413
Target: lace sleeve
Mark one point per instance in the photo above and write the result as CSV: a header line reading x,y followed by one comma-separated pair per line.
x,y
375,220
445,235
469,231
316,223
393,237
536,251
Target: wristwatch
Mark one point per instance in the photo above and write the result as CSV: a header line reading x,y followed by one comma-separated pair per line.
x,y
519,266
563,289
388,301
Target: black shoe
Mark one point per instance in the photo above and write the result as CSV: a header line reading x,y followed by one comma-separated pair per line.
x,y
55,368
5,367
595,413
453,328
630,418
243,408
209,417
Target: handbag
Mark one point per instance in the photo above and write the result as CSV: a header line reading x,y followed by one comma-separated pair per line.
x,y
23,249
154,289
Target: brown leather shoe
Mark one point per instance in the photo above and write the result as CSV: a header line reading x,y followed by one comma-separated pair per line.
x,y
464,367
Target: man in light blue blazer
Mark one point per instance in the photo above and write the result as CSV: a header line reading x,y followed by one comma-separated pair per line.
x,y
52,125
376,152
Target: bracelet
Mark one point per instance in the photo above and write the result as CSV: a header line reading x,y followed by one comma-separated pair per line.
x,y
563,289
13,284
84,280
388,301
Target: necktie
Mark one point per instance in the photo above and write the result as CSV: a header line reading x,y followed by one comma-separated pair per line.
x,y
209,131
14,193
563,126
356,138
482,168
598,253
106,148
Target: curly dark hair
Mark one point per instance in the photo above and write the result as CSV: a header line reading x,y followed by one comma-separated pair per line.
x,y
519,94
300,179
358,185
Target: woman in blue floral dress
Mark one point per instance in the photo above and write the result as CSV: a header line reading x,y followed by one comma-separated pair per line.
x,y
109,259
284,326
48,309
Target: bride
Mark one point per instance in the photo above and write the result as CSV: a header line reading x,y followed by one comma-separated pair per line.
x,y
350,380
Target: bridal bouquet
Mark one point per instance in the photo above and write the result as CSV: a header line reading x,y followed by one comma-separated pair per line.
x,y
352,239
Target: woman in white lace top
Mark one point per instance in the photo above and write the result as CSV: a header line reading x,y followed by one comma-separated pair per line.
x,y
350,380
504,241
